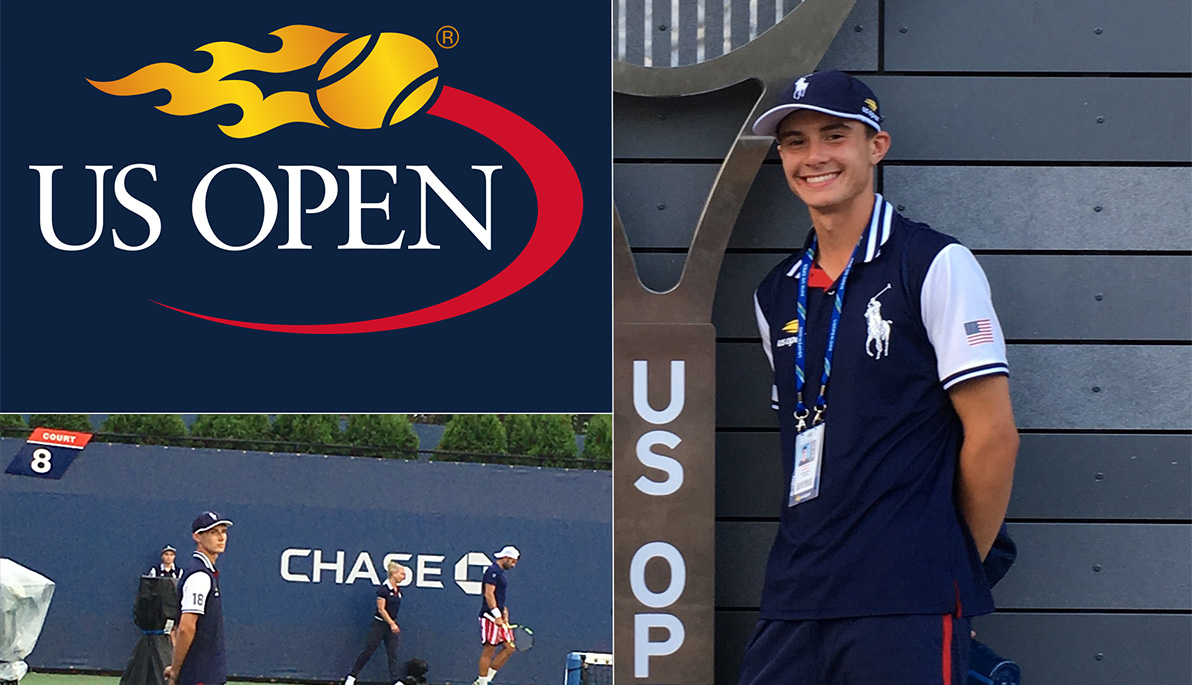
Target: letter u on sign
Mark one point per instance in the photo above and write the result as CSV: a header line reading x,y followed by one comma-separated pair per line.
x,y
641,392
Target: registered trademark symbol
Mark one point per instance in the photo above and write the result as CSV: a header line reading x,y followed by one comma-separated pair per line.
x,y
447,37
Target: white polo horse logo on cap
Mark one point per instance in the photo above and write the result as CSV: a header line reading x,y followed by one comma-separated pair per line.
x,y
800,88
879,328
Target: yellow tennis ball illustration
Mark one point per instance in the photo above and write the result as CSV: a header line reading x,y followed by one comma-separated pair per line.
x,y
386,80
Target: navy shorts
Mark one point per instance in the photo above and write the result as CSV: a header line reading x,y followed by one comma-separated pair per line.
x,y
891,650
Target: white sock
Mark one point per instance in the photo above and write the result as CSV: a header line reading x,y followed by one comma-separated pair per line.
x,y
491,672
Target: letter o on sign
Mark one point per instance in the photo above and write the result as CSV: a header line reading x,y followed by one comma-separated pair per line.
x,y
637,574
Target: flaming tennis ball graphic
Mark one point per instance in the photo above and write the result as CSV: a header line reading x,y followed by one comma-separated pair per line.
x,y
383,89
393,80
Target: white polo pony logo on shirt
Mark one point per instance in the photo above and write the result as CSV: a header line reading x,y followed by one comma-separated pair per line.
x,y
879,328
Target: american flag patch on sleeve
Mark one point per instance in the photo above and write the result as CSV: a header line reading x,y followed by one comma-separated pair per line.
x,y
978,332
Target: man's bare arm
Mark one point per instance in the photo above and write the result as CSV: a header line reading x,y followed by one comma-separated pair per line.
x,y
184,634
987,456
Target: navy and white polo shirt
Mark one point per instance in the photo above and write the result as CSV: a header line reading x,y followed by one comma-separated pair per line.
x,y
392,597
885,535
198,593
495,576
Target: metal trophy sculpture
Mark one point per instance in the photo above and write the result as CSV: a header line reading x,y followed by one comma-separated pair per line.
x,y
664,371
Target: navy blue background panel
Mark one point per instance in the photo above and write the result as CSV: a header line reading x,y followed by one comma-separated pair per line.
x,y
141,356
97,529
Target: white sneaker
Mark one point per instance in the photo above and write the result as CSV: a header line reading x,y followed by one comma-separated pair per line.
x,y
350,680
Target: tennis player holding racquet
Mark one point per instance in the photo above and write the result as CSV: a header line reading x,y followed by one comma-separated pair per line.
x,y
495,630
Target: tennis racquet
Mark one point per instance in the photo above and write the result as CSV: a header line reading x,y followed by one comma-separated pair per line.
x,y
523,637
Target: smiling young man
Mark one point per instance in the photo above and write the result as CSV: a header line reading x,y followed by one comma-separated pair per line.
x,y
897,433
199,654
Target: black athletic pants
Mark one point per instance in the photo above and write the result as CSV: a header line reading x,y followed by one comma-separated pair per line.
x,y
376,633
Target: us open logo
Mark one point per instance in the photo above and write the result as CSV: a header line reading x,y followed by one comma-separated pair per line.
x,y
364,83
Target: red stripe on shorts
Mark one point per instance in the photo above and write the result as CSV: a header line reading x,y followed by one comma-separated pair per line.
x,y
947,649
493,634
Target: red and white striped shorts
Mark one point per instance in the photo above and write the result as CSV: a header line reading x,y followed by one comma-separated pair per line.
x,y
493,634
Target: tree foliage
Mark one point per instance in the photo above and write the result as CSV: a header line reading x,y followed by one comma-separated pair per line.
x,y
145,429
12,421
233,431
307,431
554,440
67,422
520,432
598,438
392,435
475,434
12,425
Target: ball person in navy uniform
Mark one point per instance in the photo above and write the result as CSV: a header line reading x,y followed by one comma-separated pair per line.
x,y
199,653
494,617
166,569
891,386
384,626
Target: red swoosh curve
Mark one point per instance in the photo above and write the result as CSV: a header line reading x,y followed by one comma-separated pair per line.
x,y
560,206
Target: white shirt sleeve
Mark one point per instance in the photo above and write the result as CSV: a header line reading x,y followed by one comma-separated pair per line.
x,y
959,317
194,593
763,327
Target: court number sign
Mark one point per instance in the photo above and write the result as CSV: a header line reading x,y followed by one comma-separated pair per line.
x,y
48,453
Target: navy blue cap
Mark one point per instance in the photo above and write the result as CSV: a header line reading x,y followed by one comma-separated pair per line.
x,y
168,548
830,92
208,520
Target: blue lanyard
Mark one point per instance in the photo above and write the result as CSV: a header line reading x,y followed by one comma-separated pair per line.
x,y
821,402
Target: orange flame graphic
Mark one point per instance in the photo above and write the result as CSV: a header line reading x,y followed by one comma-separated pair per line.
x,y
192,93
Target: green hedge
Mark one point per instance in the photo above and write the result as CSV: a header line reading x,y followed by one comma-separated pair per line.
x,y
382,435
475,435
144,429
598,438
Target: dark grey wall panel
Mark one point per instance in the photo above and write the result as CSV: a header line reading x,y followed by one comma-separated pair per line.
x,y
1100,386
1062,476
661,203
1141,566
855,46
1038,297
1049,35
949,118
743,380
1069,297
659,271
1092,649
733,629
987,208
1049,208
741,552
1098,566
1140,387
1053,649
1103,477
772,217
999,118
748,475
695,127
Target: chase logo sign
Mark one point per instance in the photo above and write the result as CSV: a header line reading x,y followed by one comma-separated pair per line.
x,y
335,82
